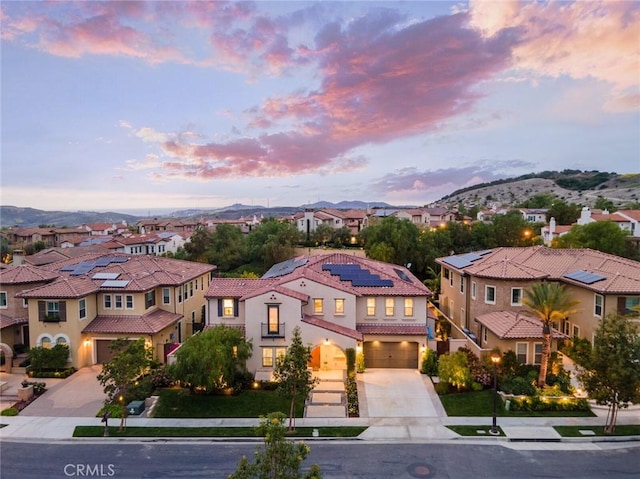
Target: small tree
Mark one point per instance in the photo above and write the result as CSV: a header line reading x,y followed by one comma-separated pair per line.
x,y
279,458
453,369
292,373
132,359
550,303
210,360
611,373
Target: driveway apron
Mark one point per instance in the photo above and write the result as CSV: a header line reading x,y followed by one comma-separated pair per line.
x,y
399,393
79,395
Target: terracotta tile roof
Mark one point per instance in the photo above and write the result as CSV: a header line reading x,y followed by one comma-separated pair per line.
x,y
634,214
63,287
25,273
236,287
511,325
150,323
313,271
142,272
622,276
392,329
333,327
6,321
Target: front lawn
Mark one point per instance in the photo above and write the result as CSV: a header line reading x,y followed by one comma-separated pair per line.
x,y
249,403
98,431
574,431
480,403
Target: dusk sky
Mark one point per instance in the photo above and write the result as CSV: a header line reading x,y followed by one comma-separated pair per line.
x,y
136,105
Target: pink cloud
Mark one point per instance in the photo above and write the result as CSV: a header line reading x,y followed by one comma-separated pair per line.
x,y
594,39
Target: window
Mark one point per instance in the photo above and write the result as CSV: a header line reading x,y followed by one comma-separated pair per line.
x,y
62,340
485,334
408,306
451,279
462,284
273,326
149,299
537,353
190,288
166,296
118,301
53,308
45,342
3,299
82,308
473,289
25,303
521,352
490,294
107,301
576,331
516,296
318,306
267,357
389,307
371,306
339,305
446,273
227,307
598,305
179,294
128,299
630,305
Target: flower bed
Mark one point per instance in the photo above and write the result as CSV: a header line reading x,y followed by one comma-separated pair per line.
x,y
544,403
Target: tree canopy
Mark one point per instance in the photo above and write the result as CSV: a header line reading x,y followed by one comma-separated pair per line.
x,y
295,380
211,360
131,359
611,372
605,236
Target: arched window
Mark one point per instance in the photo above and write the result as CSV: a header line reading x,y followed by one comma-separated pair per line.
x,y
45,342
62,340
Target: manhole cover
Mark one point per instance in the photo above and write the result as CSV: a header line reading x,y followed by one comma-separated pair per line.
x,y
420,469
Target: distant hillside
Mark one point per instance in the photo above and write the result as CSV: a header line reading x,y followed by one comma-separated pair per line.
x,y
31,218
572,186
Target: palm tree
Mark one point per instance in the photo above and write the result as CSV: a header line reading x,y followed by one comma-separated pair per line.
x,y
550,303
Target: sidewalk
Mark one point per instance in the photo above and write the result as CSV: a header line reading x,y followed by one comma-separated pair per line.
x,y
428,424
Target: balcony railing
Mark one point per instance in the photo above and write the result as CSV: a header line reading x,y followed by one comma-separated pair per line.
x,y
268,332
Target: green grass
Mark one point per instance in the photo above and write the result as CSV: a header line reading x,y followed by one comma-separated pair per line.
x,y
473,431
574,431
98,431
480,403
251,403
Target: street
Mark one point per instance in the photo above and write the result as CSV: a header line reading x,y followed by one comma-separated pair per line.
x,y
339,460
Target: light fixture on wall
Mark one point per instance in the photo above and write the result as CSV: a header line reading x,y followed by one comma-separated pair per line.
x,y
326,342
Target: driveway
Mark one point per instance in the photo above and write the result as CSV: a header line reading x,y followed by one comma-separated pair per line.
x,y
79,395
398,393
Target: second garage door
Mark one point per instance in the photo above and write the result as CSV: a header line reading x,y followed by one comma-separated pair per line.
x,y
104,353
380,354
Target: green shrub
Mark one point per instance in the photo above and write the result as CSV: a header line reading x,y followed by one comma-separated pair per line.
x,y
11,411
351,390
453,369
360,362
114,410
38,387
49,358
429,363
442,387
537,403
518,386
51,373
350,353
19,348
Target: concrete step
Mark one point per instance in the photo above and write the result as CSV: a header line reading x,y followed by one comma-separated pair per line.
x,y
329,386
326,398
326,411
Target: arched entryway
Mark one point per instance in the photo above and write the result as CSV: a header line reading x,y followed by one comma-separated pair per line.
x,y
327,357
8,356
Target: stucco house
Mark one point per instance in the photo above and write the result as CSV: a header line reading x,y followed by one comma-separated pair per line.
x,y
90,300
475,286
339,301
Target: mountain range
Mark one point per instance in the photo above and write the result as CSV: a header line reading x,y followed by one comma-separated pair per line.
x,y
572,186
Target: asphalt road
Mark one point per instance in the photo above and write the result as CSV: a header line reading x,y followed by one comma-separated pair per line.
x,y
213,460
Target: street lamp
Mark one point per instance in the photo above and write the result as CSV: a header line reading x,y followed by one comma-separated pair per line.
x,y
495,359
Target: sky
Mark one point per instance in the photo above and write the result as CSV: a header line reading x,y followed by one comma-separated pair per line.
x,y
196,104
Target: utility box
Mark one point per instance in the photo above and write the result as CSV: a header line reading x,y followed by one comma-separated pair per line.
x,y
135,408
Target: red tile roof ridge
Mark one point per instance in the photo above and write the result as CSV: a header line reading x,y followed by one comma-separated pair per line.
x,y
333,327
26,273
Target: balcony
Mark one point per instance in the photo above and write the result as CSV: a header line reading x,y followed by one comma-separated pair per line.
x,y
272,332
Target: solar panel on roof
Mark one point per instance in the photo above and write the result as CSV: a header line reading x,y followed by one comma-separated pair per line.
x,y
458,262
285,267
69,267
115,283
105,276
402,275
584,277
119,259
